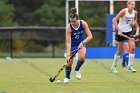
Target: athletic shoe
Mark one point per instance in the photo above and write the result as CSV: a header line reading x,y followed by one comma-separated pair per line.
x,y
123,64
131,69
114,70
78,74
66,80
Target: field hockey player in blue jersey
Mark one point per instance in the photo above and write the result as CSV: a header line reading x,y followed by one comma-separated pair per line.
x,y
76,31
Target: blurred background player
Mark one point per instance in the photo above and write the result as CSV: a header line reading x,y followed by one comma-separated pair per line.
x,y
75,39
125,56
127,18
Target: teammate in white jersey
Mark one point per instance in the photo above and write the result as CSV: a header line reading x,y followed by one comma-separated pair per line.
x,y
127,18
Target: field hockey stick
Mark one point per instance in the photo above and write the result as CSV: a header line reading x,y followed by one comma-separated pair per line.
x,y
135,40
130,38
61,69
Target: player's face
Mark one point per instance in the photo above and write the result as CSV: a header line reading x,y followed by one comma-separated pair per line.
x,y
74,21
131,5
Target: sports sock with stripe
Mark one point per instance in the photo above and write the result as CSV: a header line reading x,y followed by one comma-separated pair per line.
x,y
68,71
78,65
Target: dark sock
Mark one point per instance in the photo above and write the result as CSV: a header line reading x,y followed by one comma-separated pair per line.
x,y
68,71
78,65
126,58
123,59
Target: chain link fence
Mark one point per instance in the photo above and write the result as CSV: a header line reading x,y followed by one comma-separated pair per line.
x,y
40,41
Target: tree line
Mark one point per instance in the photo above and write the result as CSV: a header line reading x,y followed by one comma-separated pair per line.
x,y
52,12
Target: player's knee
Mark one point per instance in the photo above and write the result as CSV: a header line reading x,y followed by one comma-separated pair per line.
x,y
69,64
82,58
120,50
132,49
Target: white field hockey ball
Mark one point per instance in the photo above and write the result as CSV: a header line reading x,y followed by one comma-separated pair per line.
x,y
58,81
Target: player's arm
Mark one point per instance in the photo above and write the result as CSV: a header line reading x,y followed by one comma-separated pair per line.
x,y
68,40
87,31
133,24
136,24
116,19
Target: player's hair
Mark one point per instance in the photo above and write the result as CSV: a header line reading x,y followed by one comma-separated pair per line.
x,y
129,1
73,13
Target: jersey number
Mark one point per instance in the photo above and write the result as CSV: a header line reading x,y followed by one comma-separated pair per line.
x,y
128,21
77,36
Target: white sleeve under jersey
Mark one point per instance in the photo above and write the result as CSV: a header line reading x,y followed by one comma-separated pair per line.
x,y
126,20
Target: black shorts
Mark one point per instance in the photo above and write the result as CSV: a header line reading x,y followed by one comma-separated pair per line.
x,y
121,38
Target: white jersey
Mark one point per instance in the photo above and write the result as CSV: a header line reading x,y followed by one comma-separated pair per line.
x,y
126,20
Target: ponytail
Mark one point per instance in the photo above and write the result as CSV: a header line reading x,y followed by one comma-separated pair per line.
x,y
73,13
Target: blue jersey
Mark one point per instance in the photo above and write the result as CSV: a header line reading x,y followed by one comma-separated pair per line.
x,y
77,35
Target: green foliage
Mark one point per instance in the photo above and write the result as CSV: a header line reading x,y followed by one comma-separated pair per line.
x,y
93,13
24,9
39,12
5,45
49,16
6,14
52,13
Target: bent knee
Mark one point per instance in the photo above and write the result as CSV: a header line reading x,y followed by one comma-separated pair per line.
x,y
69,64
82,58
132,49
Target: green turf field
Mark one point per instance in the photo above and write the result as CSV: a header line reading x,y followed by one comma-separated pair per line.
x,y
30,75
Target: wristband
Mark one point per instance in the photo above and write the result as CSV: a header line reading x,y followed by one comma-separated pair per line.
x,y
83,42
